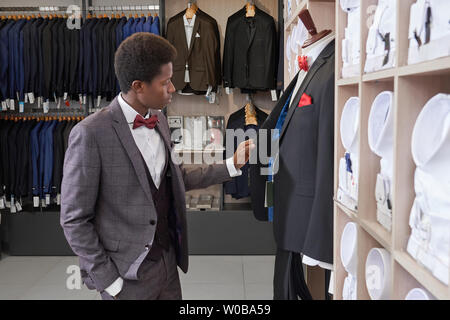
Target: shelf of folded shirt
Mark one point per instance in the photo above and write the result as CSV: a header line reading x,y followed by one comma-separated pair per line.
x,y
293,19
422,275
373,228
350,213
433,67
382,75
348,81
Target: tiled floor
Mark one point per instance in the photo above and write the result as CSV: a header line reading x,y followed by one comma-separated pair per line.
x,y
209,278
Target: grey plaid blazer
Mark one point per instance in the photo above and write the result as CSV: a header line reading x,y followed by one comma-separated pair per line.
x,y
106,203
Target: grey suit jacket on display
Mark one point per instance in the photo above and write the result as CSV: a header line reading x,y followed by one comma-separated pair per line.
x,y
107,210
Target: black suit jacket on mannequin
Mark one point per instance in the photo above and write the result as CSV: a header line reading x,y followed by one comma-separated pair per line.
x,y
250,51
303,186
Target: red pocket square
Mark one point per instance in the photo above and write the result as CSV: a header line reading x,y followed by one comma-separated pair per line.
x,y
305,101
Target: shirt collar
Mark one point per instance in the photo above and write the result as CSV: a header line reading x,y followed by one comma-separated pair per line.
x,y
186,22
128,111
316,50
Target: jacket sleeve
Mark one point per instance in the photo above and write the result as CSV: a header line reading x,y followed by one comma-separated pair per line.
x,y
322,207
270,59
80,185
228,55
210,55
204,176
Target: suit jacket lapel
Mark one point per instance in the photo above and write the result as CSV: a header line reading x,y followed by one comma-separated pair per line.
x,y
120,125
300,92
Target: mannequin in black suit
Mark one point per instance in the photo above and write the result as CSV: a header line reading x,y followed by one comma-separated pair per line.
x,y
303,185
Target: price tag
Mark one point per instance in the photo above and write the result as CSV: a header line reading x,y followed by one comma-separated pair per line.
x,y
43,203
36,202
2,203
274,95
11,105
46,106
21,106
18,206
31,97
58,199
47,199
227,90
4,106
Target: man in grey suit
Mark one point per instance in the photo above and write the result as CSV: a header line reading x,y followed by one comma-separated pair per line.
x,y
123,197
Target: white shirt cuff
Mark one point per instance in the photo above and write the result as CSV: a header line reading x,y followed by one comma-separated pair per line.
x,y
115,288
232,169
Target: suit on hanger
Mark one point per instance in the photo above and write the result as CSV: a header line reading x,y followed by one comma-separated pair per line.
x,y
303,186
35,157
4,59
202,58
239,187
58,156
250,51
155,28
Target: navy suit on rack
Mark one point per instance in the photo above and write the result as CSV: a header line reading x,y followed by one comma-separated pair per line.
x,y
147,26
48,163
155,29
126,31
42,156
4,58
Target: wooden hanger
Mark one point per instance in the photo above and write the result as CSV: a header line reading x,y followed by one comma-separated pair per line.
x,y
156,14
89,16
250,112
250,9
149,14
142,15
136,16
191,10
39,15
130,16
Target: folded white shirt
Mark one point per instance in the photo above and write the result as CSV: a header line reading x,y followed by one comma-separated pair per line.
x,y
437,44
381,42
430,215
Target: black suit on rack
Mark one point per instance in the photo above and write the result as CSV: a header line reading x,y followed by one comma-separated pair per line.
x,y
7,126
60,80
47,58
303,186
58,156
23,159
12,155
27,52
238,187
75,63
250,51
34,56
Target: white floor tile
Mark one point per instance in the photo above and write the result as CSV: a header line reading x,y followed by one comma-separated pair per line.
x,y
25,272
214,269
58,292
211,291
258,291
258,269
12,291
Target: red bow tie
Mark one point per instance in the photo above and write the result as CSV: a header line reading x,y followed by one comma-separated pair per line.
x,y
149,123
303,63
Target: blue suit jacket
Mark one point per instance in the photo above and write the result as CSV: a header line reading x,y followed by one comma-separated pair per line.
x,y
147,24
155,27
42,157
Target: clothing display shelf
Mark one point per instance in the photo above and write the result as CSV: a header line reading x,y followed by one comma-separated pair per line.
x,y
412,86
323,14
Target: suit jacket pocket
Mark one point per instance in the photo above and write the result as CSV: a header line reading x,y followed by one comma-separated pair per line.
x,y
110,244
307,108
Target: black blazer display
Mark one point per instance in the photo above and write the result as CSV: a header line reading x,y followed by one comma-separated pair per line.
x,y
239,187
250,51
303,186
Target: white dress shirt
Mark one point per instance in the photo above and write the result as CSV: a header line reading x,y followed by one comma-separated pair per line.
x,y
151,146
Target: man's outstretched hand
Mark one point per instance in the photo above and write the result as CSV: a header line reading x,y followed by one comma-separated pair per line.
x,y
242,153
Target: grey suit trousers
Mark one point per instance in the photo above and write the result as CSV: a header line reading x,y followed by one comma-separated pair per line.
x,y
157,280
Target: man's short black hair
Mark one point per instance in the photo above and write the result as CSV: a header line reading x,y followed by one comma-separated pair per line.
x,y
140,57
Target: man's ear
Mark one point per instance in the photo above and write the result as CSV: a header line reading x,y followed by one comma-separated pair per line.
x,y
137,86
